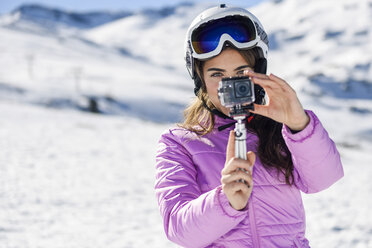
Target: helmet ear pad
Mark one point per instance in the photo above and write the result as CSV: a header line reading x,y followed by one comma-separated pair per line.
x,y
260,67
198,81
198,84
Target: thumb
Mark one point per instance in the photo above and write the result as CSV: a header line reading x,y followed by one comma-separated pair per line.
x,y
251,157
230,150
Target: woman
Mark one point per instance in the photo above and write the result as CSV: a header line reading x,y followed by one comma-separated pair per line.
x,y
209,198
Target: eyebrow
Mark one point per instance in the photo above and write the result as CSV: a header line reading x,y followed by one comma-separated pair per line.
x,y
242,67
215,69
222,70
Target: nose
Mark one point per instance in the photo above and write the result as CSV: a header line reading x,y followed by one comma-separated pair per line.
x,y
229,74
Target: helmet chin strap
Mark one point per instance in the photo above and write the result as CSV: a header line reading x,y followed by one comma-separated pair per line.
x,y
215,111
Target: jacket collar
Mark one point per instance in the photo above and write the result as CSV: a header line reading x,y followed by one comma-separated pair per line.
x,y
222,123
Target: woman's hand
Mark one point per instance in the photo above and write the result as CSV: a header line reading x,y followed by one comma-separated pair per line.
x,y
236,176
283,105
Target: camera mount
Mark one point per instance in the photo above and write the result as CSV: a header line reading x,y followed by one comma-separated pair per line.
x,y
240,110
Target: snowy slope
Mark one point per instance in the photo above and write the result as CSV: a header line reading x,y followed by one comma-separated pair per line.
x,y
160,39
49,70
74,179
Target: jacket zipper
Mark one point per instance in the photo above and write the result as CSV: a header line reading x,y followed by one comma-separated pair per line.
x,y
252,221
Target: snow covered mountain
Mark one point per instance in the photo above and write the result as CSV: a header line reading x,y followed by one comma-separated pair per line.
x,y
50,18
58,162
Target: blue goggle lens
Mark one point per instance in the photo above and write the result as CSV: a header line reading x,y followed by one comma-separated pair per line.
x,y
206,38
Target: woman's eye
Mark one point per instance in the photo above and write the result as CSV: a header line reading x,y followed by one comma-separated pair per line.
x,y
240,73
217,74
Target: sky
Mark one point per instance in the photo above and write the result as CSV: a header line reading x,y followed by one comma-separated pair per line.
x,y
88,5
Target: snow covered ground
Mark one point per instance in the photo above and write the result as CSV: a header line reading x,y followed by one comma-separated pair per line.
x,y
70,178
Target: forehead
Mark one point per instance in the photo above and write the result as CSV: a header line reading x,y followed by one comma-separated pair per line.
x,y
227,59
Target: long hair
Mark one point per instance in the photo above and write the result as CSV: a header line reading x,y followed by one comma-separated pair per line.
x,y
271,149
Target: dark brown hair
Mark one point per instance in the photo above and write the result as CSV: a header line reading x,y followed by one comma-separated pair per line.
x,y
271,149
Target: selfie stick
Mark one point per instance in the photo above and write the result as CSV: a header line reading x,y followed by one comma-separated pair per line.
x,y
240,138
239,114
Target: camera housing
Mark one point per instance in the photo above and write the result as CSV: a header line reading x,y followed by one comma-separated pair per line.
x,y
236,91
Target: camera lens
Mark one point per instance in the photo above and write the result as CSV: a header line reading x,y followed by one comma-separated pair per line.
x,y
242,89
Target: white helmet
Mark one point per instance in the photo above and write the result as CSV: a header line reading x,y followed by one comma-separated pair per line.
x,y
215,27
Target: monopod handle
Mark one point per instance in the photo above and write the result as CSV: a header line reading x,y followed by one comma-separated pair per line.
x,y
240,139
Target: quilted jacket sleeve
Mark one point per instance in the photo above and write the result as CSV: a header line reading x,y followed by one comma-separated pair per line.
x,y
191,219
317,163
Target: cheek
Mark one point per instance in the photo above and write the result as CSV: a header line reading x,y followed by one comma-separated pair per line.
x,y
212,86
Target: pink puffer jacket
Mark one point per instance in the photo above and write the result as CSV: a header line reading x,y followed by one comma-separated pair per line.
x,y
196,212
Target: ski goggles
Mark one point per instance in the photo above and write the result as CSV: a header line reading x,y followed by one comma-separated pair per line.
x,y
208,39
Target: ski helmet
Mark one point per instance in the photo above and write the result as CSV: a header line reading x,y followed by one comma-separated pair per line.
x,y
215,27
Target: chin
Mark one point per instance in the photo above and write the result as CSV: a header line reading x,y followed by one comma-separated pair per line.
x,y
224,110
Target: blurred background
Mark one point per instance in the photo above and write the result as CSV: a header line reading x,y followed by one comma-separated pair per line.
x,y
87,88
